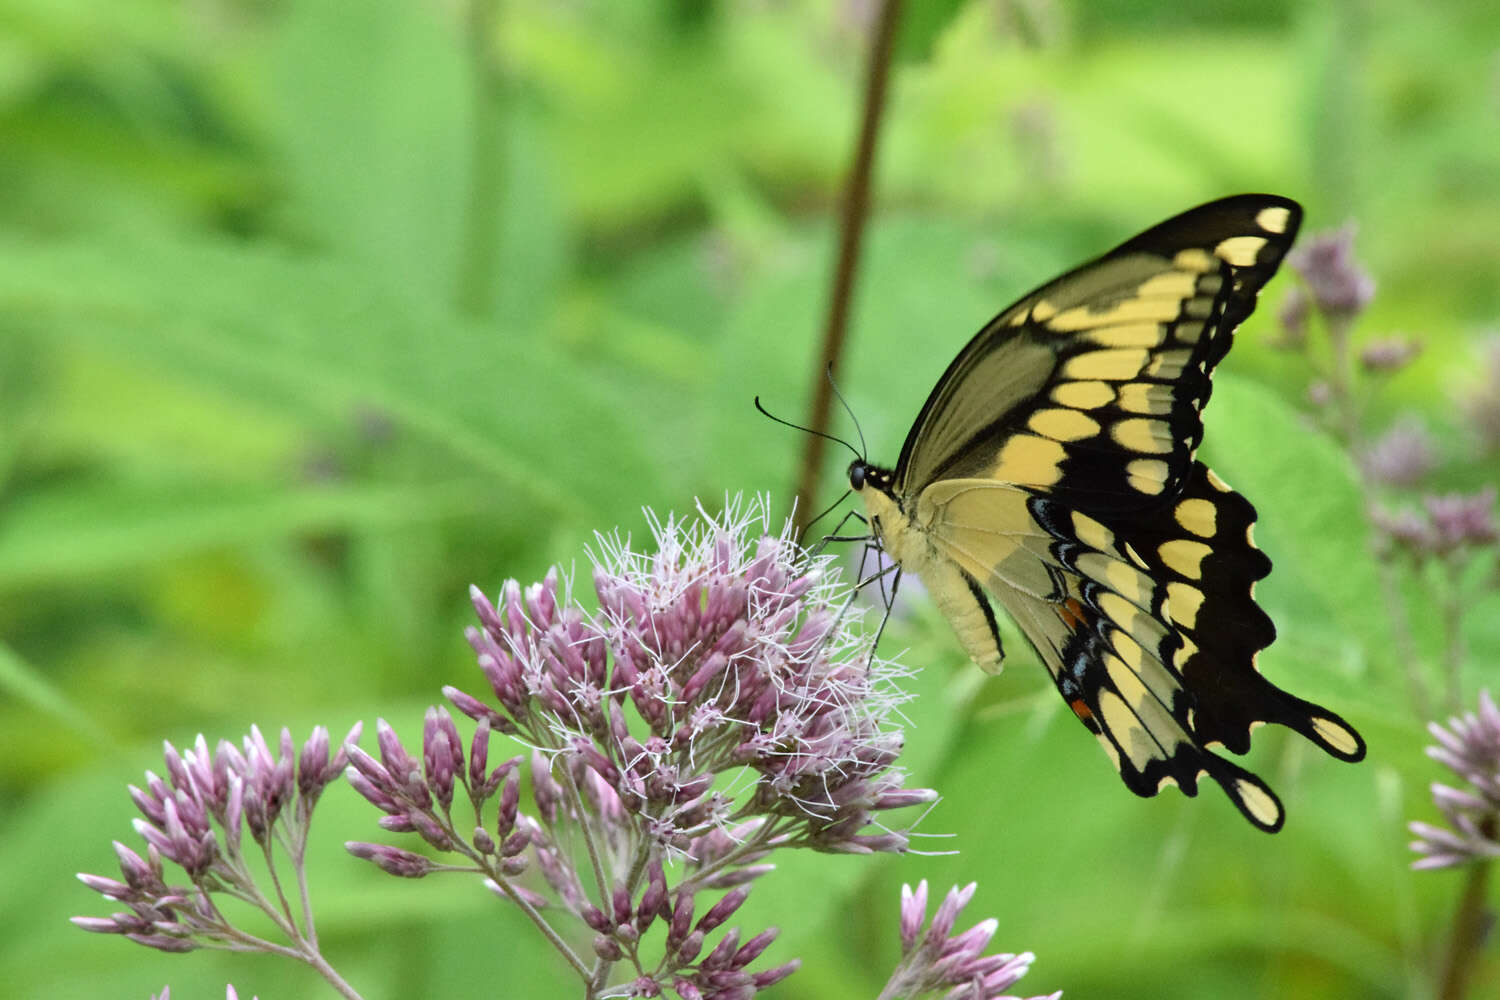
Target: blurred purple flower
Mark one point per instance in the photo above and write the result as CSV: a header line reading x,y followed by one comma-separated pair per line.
x,y
1338,283
1389,354
1319,393
937,963
1462,520
1402,456
1404,530
1293,316
1447,524
1034,131
1470,747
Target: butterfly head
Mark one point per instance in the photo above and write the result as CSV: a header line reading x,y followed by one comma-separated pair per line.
x,y
862,474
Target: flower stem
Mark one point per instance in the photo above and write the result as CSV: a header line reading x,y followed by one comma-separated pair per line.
x,y
547,929
1345,425
851,232
335,980
1471,924
596,860
1453,636
1400,619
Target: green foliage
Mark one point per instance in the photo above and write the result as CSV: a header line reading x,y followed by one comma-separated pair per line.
x,y
255,442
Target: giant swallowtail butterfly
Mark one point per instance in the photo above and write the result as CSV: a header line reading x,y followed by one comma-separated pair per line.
x,y
1053,468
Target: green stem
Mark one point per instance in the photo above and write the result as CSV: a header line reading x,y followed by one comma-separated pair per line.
x,y
1471,923
1406,646
1346,427
856,209
328,973
547,929
476,267
1453,635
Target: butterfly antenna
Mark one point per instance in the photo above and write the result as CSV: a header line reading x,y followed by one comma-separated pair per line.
x,y
808,430
863,449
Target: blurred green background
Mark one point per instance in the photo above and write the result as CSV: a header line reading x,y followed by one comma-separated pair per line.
x,y
312,312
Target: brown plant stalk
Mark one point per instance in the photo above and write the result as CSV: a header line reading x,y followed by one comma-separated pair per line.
x,y
854,212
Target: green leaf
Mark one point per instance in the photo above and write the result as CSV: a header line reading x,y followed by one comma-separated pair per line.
x,y
23,682
1312,515
921,26
83,533
324,342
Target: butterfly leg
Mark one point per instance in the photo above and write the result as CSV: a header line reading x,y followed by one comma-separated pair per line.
x,y
888,601
834,535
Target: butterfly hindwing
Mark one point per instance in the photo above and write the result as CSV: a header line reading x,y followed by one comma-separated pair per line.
x,y
1100,617
1202,548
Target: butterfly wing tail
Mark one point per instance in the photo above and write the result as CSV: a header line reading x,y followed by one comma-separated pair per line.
x,y
1202,547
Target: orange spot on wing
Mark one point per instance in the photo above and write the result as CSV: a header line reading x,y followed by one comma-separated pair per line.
x,y
1081,709
1071,612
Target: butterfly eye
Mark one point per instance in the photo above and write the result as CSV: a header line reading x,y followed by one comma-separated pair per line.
x,y
857,470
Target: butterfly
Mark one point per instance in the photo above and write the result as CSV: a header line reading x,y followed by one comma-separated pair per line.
x,y
1052,467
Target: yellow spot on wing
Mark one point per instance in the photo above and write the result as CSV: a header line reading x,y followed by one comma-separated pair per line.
x,y
1153,437
1198,516
1130,310
1152,672
1084,395
1127,731
1063,425
1145,728
1273,220
1184,556
1183,603
1168,364
1119,610
1091,533
1030,461
1128,649
1146,397
1043,311
1195,259
1149,475
1240,251
1172,284
1110,365
1119,576
1257,802
1129,335
1335,735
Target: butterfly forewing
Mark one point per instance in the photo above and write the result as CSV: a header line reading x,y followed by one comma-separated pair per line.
x,y
1053,466
1113,359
